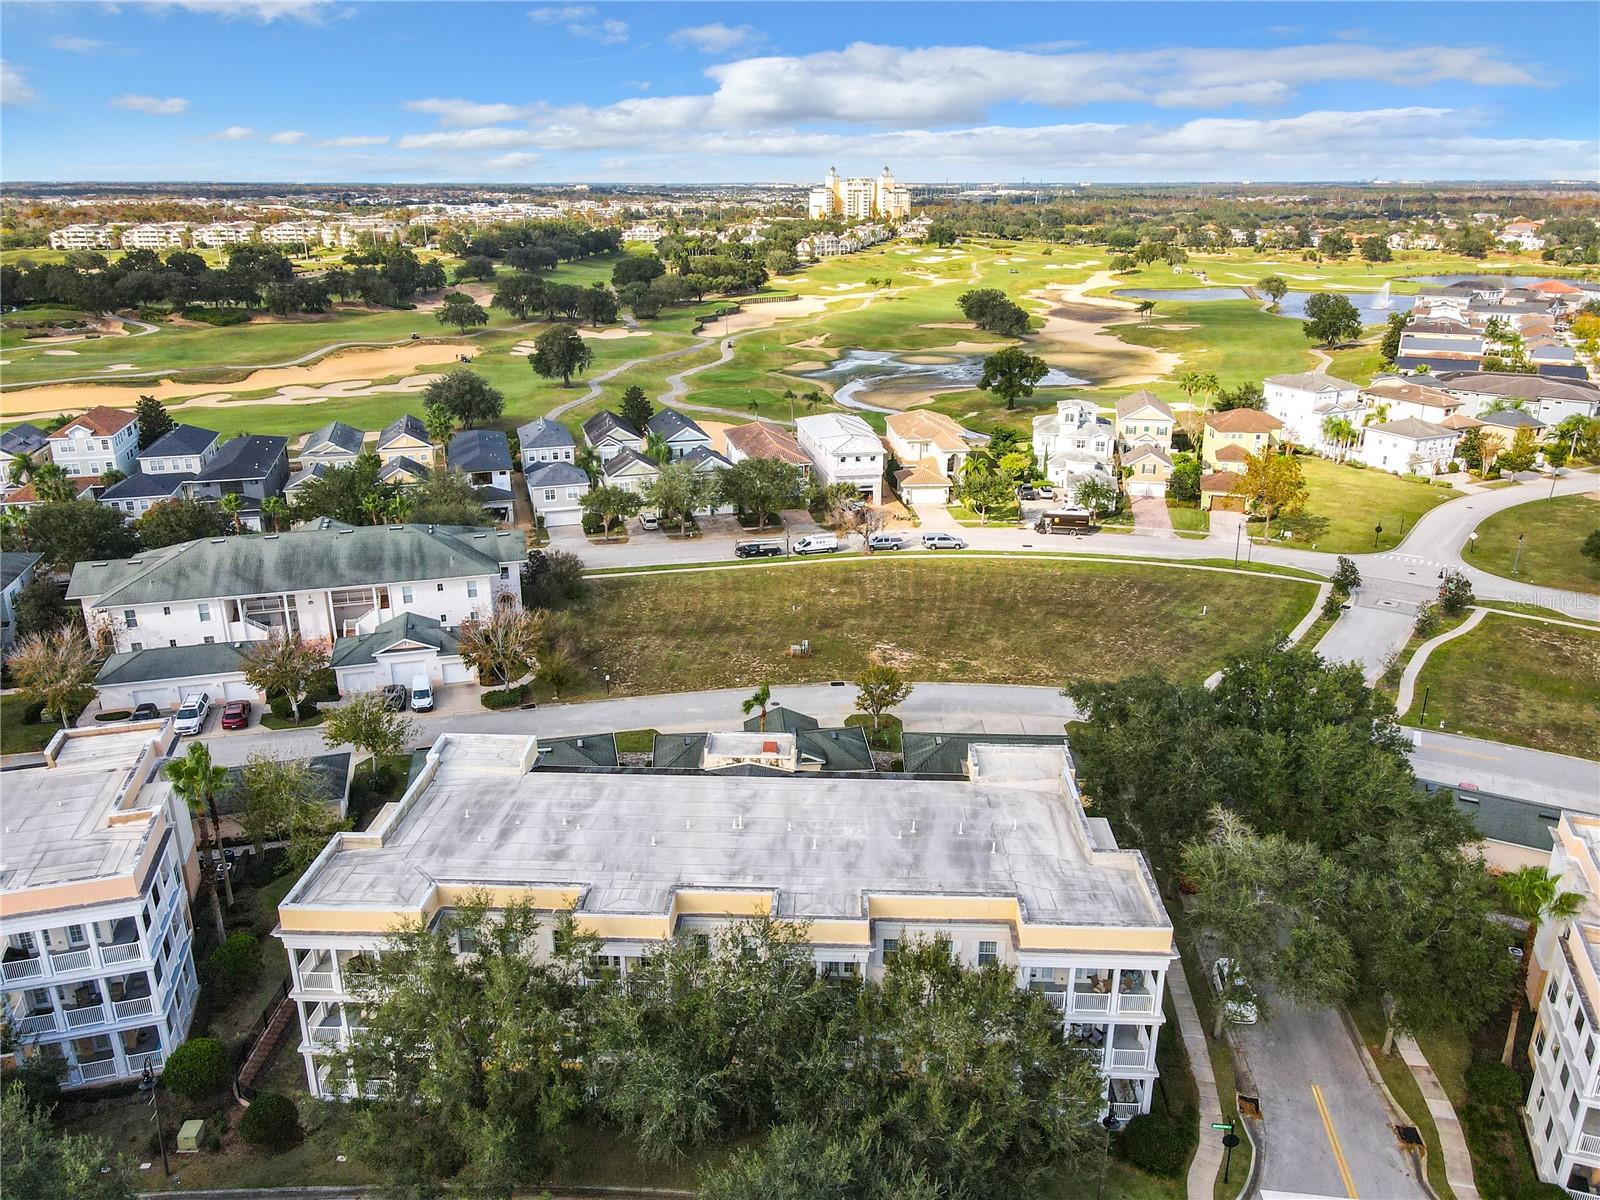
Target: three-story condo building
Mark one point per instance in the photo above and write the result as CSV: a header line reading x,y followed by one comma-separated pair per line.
x,y
1003,861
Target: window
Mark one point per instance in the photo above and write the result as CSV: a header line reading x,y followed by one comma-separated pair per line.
x,y
136,645
130,618
1588,1050
890,947
1550,992
405,595
988,952
472,589
572,493
550,493
209,640
439,586
1549,1128
76,936
204,611
26,941
1579,1020
1566,1074
1538,1042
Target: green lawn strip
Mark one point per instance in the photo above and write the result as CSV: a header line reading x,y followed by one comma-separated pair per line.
x,y
1402,1085
272,721
1389,684
1319,627
1530,683
1551,534
1188,518
16,737
933,619
1345,503
636,741
1535,610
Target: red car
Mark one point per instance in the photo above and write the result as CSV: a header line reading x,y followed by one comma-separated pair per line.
x,y
236,714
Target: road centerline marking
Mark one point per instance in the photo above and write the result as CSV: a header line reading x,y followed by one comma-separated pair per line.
x,y
1333,1141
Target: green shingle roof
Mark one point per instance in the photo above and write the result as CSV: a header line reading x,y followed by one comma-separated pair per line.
x,y
404,627
683,750
586,750
171,662
781,720
946,753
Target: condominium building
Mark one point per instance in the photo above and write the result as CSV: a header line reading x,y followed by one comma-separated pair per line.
x,y
1562,1117
1003,862
859,199
83,237
295,233
349,233
159,235
224,233
94,905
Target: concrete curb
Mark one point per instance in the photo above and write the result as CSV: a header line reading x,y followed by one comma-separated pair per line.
x,y
1207,1160
1397,1112
1452,1143
1408,678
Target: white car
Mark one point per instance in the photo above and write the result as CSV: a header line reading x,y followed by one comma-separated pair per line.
x,y
192,714
1241,1010
943,541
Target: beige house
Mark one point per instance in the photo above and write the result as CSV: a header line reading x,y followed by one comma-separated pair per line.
x,y
1145,470
1234,435
932,449
1144,419
406,437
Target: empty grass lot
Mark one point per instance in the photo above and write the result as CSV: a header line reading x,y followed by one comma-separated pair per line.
x,y
1514,680
980,621
1552,532
1345,503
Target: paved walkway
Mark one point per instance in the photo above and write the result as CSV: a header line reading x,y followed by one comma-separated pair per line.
x,y
1408,680
1208,1156
1457,1162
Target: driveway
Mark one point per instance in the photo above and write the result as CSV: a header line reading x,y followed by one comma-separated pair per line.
x,y
935,518
1150,515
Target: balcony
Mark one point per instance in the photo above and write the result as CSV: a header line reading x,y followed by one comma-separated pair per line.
x,y
44,1022
130,996
123,945
70,960
18,965
86,1015
138,1062
1088,1000
1589,1144
93,1072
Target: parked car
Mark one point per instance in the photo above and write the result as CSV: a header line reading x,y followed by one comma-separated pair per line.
x,y
1046,491
1027,493
816,543
886,541
943,541
758,550
144,712
421,694
236,714
394,696
1241,1010
649,520
192,714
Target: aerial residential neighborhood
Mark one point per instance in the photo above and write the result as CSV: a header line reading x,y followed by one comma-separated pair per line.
x,y
984,602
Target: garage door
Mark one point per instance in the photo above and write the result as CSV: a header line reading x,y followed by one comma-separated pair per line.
x,y
161,697
238,689
563,516
456,671
1146,488
351,682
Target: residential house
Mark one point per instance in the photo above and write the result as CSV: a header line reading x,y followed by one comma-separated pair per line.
x,y
1074,445
139,492
922,436
1059,903
1231,436
1305,402
485,455
322,580
1551,400
545,440
1144,419
334,445
405,437
16,572
1217,492
843,449
252,467
556,491
1146,469
398,650
608,434
758,439
1408,446
402,472
93,443
302,477
771,751
165,469
1392,397
21,441
163,675
1507,423
1523,235
707,461
98,970
680,433
1452,352
629,469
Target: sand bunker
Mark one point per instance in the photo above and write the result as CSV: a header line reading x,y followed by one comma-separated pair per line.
x,y
290,396
844,287
119,367
966,325
360,367
1079,325
764,316
608,335
63,353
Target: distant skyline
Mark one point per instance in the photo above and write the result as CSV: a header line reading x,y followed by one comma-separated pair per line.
x,y
310,91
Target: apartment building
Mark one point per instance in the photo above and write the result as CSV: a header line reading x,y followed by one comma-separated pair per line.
x,y
97,967
304,234
100,440
322,581
843,449
223,233
158,235
859,199
1562,1116
83,237
1006,864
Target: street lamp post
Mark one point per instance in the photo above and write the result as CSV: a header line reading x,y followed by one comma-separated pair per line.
x,y
1515,562
1111,1126
147,1083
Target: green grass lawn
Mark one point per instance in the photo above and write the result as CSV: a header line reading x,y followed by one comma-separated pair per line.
x,y
1345,503
1551,532
1403,1087
1516,680
949,619
1186,518
17,737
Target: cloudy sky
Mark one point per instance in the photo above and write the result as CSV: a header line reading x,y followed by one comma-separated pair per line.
x,y
310,91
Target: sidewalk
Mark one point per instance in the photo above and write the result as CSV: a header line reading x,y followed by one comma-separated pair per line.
x,y
1207,1159
1457,1161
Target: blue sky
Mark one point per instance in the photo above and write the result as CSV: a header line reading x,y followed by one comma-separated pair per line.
x,y
319,90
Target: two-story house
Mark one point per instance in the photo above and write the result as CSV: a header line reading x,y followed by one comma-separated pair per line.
x,y
20,441
627,468
165,468
679,432
334,445
16,573
98,971
758,439
1394,397
843,449
485,455
250,466
1074,445
1232,436
1408,446
609,434
1144,419
931,449
1308,401
405,437
93,443
545,440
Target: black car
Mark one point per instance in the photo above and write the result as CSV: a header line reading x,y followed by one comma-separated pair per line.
x,y
758,550
144,712
394,697
1027,493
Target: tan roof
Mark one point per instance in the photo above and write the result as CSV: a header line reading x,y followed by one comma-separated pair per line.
x,y
924,474
26,495
101,420
920,425
1243,420
1414,393
760,440
1231,453
1146,450
1555,287
1459,420
1219,481
1143,398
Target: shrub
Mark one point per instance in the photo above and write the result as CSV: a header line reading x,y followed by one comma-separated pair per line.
x,y
1429,617
1494,1086
271,1122
197,1068
279,705
1455,593
1157,1143
592,524
120,714
504,697
217,316
234,966
1539,1190
1331,606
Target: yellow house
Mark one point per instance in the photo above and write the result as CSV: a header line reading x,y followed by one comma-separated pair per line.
x,y
1233,435
1144,419
1146,469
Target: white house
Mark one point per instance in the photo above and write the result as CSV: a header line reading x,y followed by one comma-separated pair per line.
x,y
681,434
333,445
158,235
83,237
1074,443
184,448
1305,401
100,440
556,491
98,971
321,581
843,449
223,233
1550,400
164,675
16,572
1407,447
1396,397
544,440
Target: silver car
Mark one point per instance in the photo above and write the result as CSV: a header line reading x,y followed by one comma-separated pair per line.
x,y
943,541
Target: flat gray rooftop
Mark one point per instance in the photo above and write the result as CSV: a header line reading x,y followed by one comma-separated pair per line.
x,y
54,818
820,842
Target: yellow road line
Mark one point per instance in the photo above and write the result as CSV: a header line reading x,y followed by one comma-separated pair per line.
x,y
1333,1140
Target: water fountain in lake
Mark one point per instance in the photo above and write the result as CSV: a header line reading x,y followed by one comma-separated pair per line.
x,y
1383,300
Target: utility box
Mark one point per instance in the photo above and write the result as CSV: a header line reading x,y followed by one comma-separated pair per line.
x,y
190,1135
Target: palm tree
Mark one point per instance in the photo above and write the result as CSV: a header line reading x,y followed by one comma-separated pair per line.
x,y
1535,895
760,701
657,450
233,505
587,461
1146,307
197,782
788,394
812,399
274,509
52,484
372,504
398,508
1376,415
1341,433
23,468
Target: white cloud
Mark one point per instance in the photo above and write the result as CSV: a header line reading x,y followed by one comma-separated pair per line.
x,y
517,160
351,140
458,113
715,38
15,90
233,133
485,138
262,12
581,20
287,137
133,102
81,45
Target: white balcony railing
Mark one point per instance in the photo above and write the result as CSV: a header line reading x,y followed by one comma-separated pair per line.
x,y
1130,1058
1124,1111
138,1007
1136,1002
327,1034
104,1069
71,960
22,968
1058,1000
1589,1143
92,1014
138,1062
42,1023
318,981
122,952
1091,1002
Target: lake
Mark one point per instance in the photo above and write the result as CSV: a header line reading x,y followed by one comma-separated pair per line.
x,y
871,372
1374,307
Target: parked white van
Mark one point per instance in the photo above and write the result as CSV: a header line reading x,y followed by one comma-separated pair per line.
x,y
816,543
421,694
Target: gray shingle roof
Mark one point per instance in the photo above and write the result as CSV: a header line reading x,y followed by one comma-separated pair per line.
x,y
1517,386
480,450
597,427
171,662
556,474
402,426
683,750
625,458
1511,418
13,563
184,439
333,438
246,457
298,561
781,720
305,475
1411,427
544,433
404,627
704,458
587,750
668,423
842,749
22,439
401,466
1312,381
139,485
